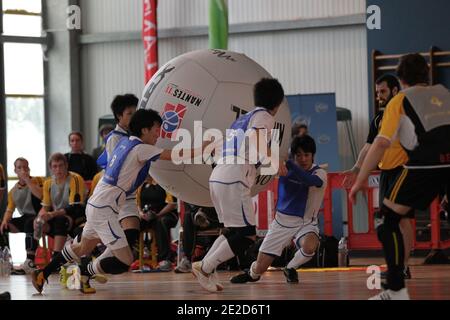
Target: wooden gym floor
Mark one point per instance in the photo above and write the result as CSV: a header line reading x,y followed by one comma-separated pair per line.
x,y
430,282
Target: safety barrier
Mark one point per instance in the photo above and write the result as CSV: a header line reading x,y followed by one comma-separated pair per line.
x,y
265,204
368,240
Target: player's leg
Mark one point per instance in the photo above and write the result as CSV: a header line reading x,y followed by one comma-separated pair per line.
x,y
306,242
408,239
281,232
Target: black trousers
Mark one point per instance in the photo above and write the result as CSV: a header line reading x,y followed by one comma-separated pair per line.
x,y
162,227
190,228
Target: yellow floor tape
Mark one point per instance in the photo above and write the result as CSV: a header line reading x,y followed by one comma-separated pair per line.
x,y
359,268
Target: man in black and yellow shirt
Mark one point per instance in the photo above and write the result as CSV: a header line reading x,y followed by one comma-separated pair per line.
x,y
63,201
26,197
387,86
419,116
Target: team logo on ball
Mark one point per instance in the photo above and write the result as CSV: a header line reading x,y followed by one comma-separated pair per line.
x,y
171,119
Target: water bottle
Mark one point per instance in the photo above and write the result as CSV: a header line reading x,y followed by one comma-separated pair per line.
x,y
1,262
343,252
38,230
146,254
74,276
180,251
7,262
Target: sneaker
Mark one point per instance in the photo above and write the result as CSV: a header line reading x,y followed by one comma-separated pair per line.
x,y
215,279
402,294
243,278
85,286
100,278
205,280
135,265
291,275
63,276
5,296
201,219
38,280
165,265
185,266
406,274
28,266
17,272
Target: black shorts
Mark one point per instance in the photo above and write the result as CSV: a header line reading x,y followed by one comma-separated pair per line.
x,y
24,223
387,180
62,226
417,188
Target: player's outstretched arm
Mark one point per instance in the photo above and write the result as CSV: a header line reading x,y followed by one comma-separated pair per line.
x,y
183,154
350,175
304,176
373,157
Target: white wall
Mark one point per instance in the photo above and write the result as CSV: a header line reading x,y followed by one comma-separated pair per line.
x,y
305,61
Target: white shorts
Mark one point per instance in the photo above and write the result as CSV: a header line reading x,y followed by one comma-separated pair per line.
x,y
233,204
128,209
283,229
103,224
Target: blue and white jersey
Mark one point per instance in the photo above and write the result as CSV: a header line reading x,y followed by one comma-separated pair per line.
x,y
125,172
112,139
235,135
228,171
299,195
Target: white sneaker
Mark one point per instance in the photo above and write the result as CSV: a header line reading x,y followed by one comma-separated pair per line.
x,y
215,279
185,266
100,278
203,279
28,266
165,265
392,295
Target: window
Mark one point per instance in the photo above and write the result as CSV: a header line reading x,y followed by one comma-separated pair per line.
x,y
23,75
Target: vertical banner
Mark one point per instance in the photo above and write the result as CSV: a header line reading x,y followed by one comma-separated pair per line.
x,y
150,38
218,24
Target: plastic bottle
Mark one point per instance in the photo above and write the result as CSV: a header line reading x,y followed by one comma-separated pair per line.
x,y
1,262
74,276
146,254
7,262
38,230
343,252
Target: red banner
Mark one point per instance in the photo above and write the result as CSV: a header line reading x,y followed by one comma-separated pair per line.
x,y
150,38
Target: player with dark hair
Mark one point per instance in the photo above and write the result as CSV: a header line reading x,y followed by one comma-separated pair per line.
x,y
232,179
123,107
125,172
386,86
419,116
300,196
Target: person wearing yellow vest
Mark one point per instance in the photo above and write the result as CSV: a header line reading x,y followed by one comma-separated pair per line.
x,y
63,202
26,197
386,87
419,116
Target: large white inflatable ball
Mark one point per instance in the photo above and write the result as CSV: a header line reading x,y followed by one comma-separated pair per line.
x,y
216,87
